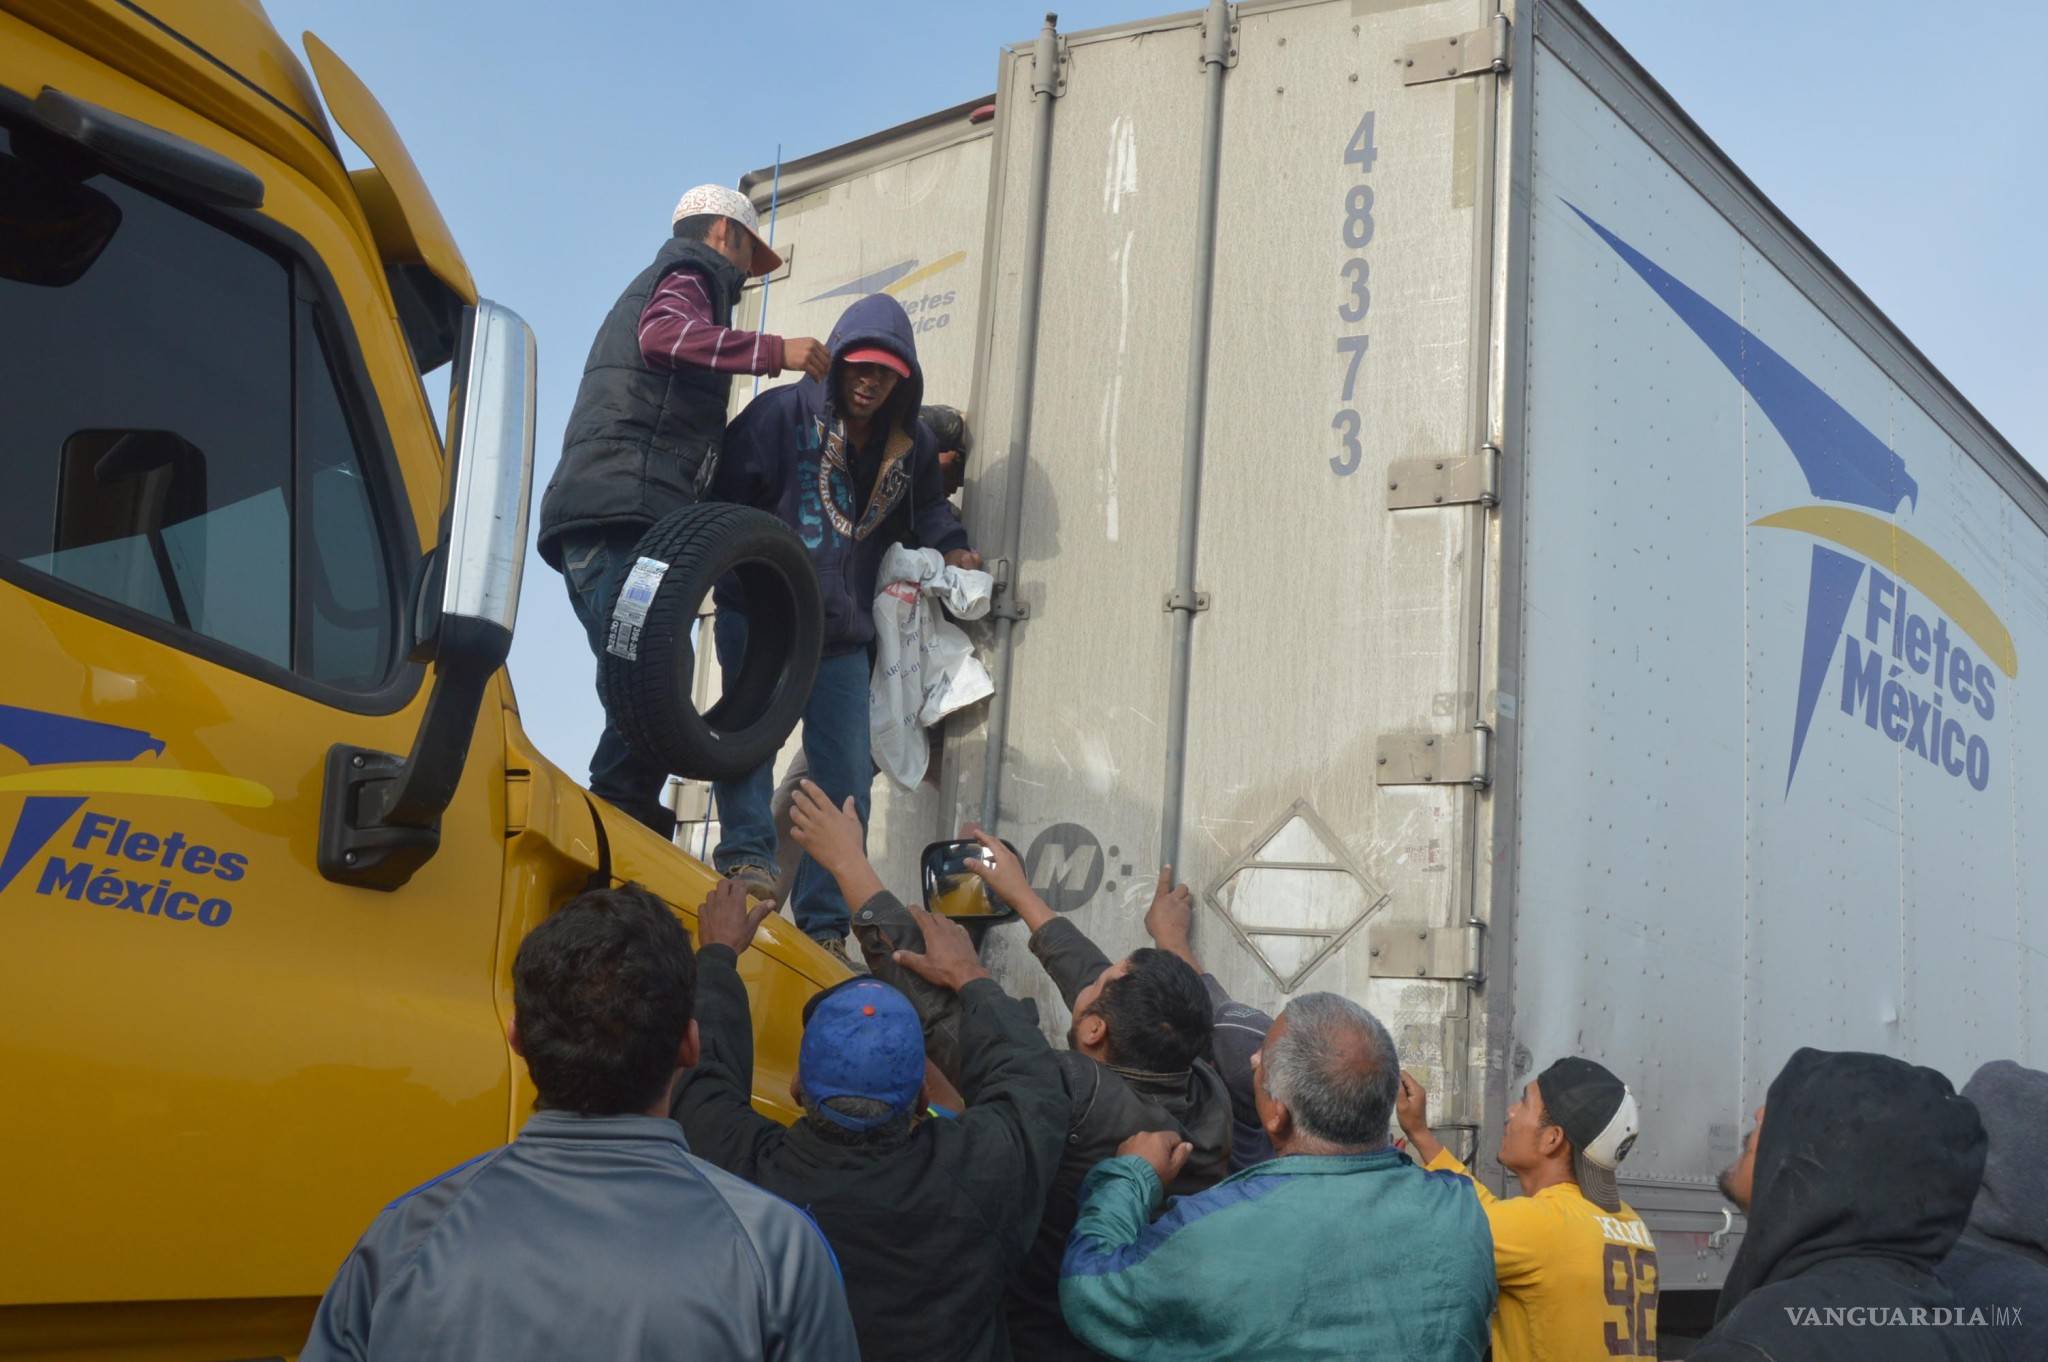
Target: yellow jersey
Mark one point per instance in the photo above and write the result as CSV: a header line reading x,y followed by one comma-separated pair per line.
x,y
1576,1282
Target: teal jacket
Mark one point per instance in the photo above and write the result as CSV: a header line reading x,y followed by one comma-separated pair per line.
x,y
1308,1256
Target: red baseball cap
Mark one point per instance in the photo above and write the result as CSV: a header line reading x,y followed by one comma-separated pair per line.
x,y
875,354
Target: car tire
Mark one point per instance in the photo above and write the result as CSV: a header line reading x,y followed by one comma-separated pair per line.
x,y
649,662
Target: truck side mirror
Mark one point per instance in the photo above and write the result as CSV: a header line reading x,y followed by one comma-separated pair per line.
x,y
380,816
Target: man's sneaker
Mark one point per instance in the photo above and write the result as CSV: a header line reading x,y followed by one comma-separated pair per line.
x,y
759,881
838,947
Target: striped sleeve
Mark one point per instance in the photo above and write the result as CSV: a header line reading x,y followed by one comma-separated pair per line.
x,y
676,331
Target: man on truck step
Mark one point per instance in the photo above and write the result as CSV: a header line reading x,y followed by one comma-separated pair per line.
x,y
1576,1266
645,431
845,462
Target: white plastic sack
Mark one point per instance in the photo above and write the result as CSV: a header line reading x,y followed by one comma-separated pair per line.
x,y
925,667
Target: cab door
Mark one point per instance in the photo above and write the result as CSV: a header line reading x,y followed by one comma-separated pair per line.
x,y
220,1065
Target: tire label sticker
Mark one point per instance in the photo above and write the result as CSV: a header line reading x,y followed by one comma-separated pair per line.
x,y
630,613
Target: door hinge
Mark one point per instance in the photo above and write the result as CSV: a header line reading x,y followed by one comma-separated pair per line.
x,y
1462,54
1403,950
1454,480
1437,758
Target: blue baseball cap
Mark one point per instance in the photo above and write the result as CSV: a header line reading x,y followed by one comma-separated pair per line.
x,y
861,1039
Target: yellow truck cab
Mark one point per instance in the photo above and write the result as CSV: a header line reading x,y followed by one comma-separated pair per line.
x,y
270,831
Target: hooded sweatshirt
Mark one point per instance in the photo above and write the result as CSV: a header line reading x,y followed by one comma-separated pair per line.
x,y
2001,1262
785,454
1865,1170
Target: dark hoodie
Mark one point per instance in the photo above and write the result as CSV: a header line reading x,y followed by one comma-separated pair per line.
x,y
2001,1262
1865,1170
888,492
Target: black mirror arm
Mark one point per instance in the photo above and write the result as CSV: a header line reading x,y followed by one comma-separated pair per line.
x,y
381,814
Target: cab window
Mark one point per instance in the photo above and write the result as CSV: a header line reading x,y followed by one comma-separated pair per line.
x,y
176,445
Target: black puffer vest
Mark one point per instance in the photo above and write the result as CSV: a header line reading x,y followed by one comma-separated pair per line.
x,y
639,437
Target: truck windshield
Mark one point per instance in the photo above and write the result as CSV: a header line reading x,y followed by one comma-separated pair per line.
x,y
174,440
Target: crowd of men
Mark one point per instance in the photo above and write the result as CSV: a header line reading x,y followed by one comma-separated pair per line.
x,y
956,1187
1185,1177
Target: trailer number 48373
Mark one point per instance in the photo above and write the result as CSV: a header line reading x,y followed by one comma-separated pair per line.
x,y
1355,297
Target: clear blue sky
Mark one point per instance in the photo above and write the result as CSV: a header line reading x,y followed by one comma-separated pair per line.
x,y
1904,138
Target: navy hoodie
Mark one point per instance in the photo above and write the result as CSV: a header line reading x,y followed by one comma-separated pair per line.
x,y
778,456
1865,1170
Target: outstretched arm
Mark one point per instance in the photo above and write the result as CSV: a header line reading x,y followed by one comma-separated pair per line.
x,y
1069,957
713,1104
835,839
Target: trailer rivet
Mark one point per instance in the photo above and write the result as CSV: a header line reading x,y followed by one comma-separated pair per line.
x,y
1383,761
1375,952
348,858
356,761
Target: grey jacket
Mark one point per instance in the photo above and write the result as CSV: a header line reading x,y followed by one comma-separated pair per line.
x,y
592,1237
2000,1265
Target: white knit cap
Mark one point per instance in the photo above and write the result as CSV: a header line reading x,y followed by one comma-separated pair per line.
x,y
719,201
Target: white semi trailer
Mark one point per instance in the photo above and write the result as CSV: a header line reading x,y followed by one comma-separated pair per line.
x,y
1446,511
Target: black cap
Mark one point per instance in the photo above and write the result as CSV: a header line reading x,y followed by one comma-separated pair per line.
x,y
948,426
1598,1116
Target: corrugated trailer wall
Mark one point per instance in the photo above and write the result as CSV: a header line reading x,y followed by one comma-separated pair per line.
x,y
1678,590
1783,597
1341,347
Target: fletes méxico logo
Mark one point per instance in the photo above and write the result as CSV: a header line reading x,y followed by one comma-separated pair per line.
x,y
111,860
1920,662
930,309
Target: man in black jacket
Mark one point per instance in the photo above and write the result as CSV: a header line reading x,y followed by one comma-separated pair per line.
x,y
1136,1056
1856,1181
644,433
928,1215
2000,1265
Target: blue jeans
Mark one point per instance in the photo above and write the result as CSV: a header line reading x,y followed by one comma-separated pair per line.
x,y
836,749
595,567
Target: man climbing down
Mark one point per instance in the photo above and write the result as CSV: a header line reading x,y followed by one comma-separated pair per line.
x,y
645,431
846,463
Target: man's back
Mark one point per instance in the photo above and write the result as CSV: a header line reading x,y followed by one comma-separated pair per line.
x,y
2010,1290
927,1234
1308,1256
587,1237
1854,1308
